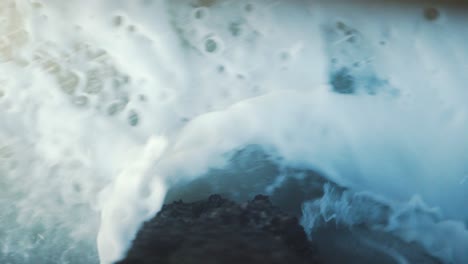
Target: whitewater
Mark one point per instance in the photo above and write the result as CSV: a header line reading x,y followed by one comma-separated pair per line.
x,y
106,106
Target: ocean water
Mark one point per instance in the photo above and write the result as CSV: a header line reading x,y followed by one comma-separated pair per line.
x,y
105,106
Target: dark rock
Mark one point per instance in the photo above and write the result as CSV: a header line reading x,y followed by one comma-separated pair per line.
x,y
217,230
252,171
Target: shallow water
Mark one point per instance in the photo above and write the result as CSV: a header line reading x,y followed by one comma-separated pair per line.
x,y
106,105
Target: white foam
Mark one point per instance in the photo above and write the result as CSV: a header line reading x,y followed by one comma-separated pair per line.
x,y
412,221
130,200
100,98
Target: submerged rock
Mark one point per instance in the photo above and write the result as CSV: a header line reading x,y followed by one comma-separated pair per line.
x,y
218,230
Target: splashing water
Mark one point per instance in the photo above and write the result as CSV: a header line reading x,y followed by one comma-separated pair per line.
x,y
105,105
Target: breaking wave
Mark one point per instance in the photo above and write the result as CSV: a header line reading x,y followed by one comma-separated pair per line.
x,y
107,106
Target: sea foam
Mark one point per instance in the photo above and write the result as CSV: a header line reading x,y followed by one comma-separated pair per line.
x,y
104,105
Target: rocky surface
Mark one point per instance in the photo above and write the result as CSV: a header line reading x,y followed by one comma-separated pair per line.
x,y
218,230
